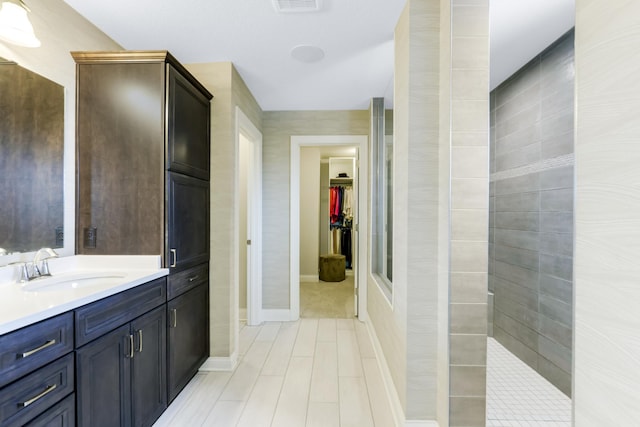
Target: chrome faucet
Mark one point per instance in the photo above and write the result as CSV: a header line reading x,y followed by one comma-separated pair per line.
x,y
38,267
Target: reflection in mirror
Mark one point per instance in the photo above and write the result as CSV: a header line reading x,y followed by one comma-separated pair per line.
x,y
31,160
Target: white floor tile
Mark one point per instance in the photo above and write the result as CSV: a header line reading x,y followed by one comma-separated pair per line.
x,y
278,359
518,396
306,340
245,375
291,410
349,361
324,380
354,403
224,414
380,406
247,335
323,415
268,332
261,405
288,377
327,330
364,342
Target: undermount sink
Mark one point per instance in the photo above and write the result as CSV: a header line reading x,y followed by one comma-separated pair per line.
x,y
73,280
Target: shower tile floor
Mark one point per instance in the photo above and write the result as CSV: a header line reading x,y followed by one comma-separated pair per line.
x,y
518,396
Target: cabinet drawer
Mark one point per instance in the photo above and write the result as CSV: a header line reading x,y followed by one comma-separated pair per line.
x,y
34,346
96,319
62,414
23,400
185,280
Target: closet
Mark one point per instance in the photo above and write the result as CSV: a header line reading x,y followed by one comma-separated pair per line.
x,y
341,207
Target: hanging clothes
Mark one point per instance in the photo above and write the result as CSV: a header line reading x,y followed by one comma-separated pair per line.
x,y
346,245
347,209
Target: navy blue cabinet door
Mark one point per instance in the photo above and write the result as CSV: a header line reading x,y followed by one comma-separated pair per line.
x,y
148,372
103,386
188,336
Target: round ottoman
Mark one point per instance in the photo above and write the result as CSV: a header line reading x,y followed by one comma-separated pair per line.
x,y
332,268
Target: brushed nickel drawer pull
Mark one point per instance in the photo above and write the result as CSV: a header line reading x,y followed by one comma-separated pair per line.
x,y
174,261
46,391
192,278
140,340
174,324
130,354
35,350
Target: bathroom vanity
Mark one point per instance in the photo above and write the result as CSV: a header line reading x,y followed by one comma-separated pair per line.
x,y
87,346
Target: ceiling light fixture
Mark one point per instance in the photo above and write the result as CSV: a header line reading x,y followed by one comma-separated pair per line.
x,y
15,26
306,53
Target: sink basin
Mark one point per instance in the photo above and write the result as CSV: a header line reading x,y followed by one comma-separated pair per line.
x,y
73,280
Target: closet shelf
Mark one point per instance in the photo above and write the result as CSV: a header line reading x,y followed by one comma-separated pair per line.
x,y
341,181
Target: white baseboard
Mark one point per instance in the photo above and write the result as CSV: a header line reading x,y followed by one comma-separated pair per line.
x,y
309,278
392,395
276,315
242,314
418,423
220,363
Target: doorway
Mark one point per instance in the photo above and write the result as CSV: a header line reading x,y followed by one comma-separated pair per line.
x,y
249,179
359,239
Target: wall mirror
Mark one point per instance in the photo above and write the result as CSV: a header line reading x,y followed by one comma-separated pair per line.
x,y
31,160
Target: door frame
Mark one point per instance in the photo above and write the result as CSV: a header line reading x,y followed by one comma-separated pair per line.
x,y
362,223
245,127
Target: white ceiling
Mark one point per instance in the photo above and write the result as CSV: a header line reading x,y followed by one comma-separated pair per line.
x,y
355,35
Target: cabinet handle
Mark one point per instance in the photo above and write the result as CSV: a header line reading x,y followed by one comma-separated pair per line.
x,y
130,352
174,313
139,341
46,391
35,350
192,278
174,257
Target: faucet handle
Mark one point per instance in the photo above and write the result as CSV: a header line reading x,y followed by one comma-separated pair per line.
x,y
44,268
24,272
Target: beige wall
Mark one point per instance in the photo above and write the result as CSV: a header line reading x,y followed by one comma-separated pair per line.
x,y
408,331
309,210
278,126
607,214
229,91
441,118
60,30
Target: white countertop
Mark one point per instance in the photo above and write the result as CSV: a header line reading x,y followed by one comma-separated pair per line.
x,y
19,307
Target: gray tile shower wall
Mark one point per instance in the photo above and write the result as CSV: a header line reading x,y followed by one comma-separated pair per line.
x,y
531,212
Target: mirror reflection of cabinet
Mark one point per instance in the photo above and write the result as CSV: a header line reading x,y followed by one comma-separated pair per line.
x,y
31,160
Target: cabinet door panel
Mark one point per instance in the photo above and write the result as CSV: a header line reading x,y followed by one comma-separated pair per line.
x,y
120,172
103,386
188,336
188,127
148,371
188,222
62,414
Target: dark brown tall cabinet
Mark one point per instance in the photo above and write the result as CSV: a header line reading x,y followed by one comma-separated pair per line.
x,y
143,143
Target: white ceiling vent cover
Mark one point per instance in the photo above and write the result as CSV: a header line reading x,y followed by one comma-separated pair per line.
x,y
296,6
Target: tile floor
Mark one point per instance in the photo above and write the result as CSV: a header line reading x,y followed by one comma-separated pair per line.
x,y
518,396
313,373
323,373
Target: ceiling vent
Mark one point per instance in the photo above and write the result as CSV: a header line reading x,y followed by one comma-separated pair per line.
x,y
296,6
